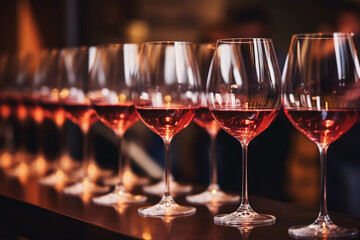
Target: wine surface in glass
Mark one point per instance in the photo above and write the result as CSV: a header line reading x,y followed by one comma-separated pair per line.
x,y
77,110
244,124
53,110
80,113
205,120
166,122
29,102
323,126
119,117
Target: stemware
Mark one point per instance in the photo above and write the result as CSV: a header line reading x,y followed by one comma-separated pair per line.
x,y
243,94
19,98
47,94
213,194
111,96
166,96
6,128
75,64
320,74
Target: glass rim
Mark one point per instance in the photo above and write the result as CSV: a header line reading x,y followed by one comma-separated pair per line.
x,y
167,43
322,35
242,40
76,48
116,44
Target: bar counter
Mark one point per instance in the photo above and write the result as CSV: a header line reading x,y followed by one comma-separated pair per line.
x,y
33,211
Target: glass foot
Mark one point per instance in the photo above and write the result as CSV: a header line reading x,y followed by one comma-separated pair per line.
x,y
55,178
159,188
6,160
212,194
118,196
129,179
85,186
244,215
132,179
322,230
166,207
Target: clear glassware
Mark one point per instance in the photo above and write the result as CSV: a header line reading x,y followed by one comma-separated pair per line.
x,y
74,80
19,99
48,99
243,94
6,153
111,96
213,194
166,96
320,74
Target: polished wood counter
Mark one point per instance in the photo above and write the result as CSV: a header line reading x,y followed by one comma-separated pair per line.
x,y
34,211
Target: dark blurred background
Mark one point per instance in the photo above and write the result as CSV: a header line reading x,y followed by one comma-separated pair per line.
x,y
283,164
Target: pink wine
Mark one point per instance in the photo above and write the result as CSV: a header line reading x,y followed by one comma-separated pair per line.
x,y
50,107
205,120
29,102
81,114
77,110
323,126
118,117
244,124
53,110
166,122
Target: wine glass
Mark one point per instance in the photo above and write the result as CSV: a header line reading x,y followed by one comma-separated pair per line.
x,y
203,117
320,72
19,98
6,128
243,94
166,96
111,96
75,64
47,95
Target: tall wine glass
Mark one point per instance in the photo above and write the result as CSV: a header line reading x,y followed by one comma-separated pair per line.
x,y
213,194
166,96
47,93
19,98
111,96
243,94
74,86
6,128
320,72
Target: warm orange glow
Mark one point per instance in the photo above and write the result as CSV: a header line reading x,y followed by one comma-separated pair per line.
x,y
5,111
29,39
93,171
60,180
86,183
59,117
38,114
40,165
64,93
5,160
146,236
23,172
86,120
122,97
167,98
21,112
66,162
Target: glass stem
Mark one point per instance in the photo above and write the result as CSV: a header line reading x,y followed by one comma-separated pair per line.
x,y
323,214
40,139
213,165
119,185
86,160
167,169
244,206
